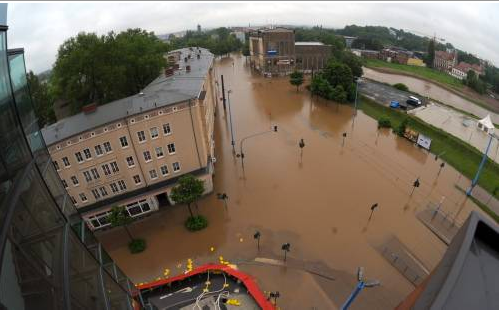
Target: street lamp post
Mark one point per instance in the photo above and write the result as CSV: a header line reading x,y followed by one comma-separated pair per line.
x,y
441,167
362,283
286,248
482,163
232,142
223,197
356,89
241,152
414,186
301,144
275,295
344,136
256,236
373,207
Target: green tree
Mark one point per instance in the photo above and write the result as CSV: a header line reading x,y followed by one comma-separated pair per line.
x,y
354,62
188,190
401,86
91,68
43,101
431,54
296,79
120,217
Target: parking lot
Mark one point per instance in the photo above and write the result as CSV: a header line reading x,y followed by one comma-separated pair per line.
x,y
383,93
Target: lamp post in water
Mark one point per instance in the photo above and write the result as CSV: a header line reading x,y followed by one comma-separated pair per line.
x,y
286,248
414,186
344,136
373,207
241,152
232,142
256,236
441,167
223,197
301,144
362,283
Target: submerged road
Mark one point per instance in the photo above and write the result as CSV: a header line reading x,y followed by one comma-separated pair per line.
x,y
320,205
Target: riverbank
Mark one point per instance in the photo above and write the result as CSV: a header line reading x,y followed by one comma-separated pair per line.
x,y
440,79
458,153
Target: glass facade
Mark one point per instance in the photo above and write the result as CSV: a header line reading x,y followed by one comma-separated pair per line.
x,y
49,258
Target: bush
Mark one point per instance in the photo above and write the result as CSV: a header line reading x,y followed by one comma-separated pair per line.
x,y
384,121
400,130
137,246
196,223
401,86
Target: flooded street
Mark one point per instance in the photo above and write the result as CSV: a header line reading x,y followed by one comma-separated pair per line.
x,y
433,91
320,206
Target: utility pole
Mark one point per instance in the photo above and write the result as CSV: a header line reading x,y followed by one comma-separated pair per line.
x,y
223,91
232,142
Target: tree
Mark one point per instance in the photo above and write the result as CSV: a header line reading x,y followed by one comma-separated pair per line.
x,y
43,102
401,86
188,190
474,82
120,217
91,68
431,54
296,79
354,62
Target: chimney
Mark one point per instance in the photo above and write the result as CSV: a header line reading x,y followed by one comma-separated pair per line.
x,y
188,68
89,108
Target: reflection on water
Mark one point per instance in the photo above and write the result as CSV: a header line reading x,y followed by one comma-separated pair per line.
x,y
320,207
431,90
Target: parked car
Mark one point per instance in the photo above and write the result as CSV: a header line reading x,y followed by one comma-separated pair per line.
x,y
394,104
414,101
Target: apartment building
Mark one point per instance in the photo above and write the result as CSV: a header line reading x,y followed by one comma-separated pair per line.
x,y
275,52
132,151
445,60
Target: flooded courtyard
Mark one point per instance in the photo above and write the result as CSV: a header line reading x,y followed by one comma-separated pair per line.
x,y
320,204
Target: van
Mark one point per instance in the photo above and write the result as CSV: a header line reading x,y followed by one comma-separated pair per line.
x,y
414,101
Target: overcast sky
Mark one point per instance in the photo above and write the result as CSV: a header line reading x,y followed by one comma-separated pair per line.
x,y
41,27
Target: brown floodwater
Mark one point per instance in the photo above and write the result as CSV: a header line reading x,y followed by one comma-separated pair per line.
x,y
431,90
320,206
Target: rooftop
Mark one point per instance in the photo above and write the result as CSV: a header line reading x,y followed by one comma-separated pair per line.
x,y
444,55
163,91
308,43
466,277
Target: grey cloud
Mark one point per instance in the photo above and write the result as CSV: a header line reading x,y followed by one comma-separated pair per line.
x,y
41,27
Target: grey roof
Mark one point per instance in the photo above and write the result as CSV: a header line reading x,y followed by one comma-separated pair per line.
x,y
467,277
308,43
163,91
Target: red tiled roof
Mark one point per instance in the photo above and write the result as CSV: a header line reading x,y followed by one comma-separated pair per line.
x,y
444,55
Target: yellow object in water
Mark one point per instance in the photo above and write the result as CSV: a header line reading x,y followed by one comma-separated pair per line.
x,y
212,249
221,258
233,302
241,239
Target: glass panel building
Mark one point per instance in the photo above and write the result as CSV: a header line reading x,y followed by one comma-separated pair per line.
x,y
49,258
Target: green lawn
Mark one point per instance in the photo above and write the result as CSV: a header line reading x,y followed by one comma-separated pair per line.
x,y
458,153
422,72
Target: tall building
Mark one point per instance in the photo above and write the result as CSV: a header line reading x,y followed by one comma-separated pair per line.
x,y
275,52
132,151
50,259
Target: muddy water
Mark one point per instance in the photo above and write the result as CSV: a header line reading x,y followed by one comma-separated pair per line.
x,y
320,206
433,91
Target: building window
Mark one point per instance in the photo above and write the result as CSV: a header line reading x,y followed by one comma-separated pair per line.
x,y
83,197
122,185
176,166
154,132
141,136
107,147
167,129
75,180
103,191
87,176
164,170
87,153
153,174
136,179
65,160
147,156
106,169
73,200
114,188
159,152
64,183
56,165
123,141
96,194
171,148
130,162
78,156
98,150
95,173
114,167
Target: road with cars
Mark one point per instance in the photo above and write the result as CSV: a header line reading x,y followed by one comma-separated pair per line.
x,y
383,93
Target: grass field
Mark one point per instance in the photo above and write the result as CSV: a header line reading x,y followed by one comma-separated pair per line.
x,y
463,157
422,72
